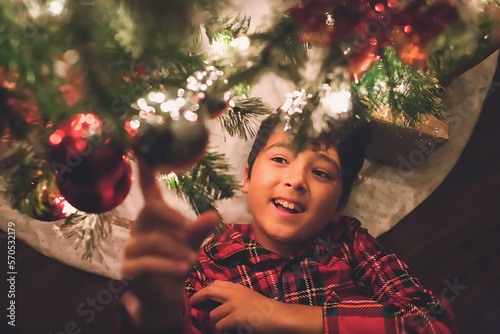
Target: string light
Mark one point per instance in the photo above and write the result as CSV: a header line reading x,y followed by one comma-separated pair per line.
x,y
337,104
241,43
56,7
222,44
330,21
170,176
169,106
295,102
190,116
135,124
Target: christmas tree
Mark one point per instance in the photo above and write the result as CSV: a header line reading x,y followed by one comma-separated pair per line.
x,y
86,87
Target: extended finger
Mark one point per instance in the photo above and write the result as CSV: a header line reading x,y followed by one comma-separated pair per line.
x,y
149,185
230,323
160,244
219,313
201,228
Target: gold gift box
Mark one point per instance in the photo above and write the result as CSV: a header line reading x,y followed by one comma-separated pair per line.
x,y
397,144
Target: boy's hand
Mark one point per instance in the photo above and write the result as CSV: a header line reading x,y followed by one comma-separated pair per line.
x,y
161,251
243,309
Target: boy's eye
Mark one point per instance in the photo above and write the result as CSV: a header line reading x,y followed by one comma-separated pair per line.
x,y
322,174
279,160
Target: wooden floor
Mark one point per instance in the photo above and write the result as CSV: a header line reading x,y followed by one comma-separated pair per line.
x,y
451,242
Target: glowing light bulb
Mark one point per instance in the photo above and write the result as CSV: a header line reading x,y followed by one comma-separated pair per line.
x,y
152,96
330,21
241,43
56,7
379,7
169,106
135,124
180,102
142,104
337,102
190,116
57,137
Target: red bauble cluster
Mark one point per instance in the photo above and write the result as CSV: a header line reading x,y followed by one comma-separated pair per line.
x,y
369,26
92,171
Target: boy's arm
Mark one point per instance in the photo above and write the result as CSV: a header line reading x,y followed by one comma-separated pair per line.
x,y
398,303
159,255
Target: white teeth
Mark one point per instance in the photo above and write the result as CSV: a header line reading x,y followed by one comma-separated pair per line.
x,y
289,205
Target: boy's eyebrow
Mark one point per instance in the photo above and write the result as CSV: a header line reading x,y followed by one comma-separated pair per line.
x,y
327,158
284,144
322,156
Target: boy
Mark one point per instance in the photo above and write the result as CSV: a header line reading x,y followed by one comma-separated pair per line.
x,y
301,267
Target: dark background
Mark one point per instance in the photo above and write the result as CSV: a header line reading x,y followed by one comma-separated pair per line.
x,y
450,239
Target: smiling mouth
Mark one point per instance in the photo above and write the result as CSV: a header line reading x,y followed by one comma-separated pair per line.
x,y
287,206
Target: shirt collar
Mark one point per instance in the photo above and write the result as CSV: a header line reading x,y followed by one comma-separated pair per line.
x,y
238,244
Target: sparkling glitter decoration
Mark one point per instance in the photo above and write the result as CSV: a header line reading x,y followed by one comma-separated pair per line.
x,y
328,110
208,88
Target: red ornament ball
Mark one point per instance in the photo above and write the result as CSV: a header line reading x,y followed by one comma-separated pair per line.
x,y
214,104
92,171
106,193
175,145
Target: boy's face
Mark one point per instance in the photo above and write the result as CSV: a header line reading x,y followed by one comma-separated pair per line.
x,y
292,197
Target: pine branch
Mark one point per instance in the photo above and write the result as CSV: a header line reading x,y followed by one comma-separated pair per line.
x,y
89,229
232,26
238,120
277,50
405,90
208,182
212,174
453,55
22,166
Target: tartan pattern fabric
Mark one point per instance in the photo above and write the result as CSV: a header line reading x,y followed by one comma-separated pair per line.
x,y
361,288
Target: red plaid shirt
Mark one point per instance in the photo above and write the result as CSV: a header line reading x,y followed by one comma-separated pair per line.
x,y
361,288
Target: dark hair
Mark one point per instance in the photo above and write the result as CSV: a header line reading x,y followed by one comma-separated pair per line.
x,y
351,150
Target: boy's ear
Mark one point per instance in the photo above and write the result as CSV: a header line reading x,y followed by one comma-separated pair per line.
x,y
246,184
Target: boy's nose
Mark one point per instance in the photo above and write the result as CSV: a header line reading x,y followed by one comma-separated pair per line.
x,y
298,187
295,179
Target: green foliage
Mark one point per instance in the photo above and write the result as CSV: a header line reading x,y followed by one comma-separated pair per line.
x,y
238,120
89,229
127,48
402,89
209,181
